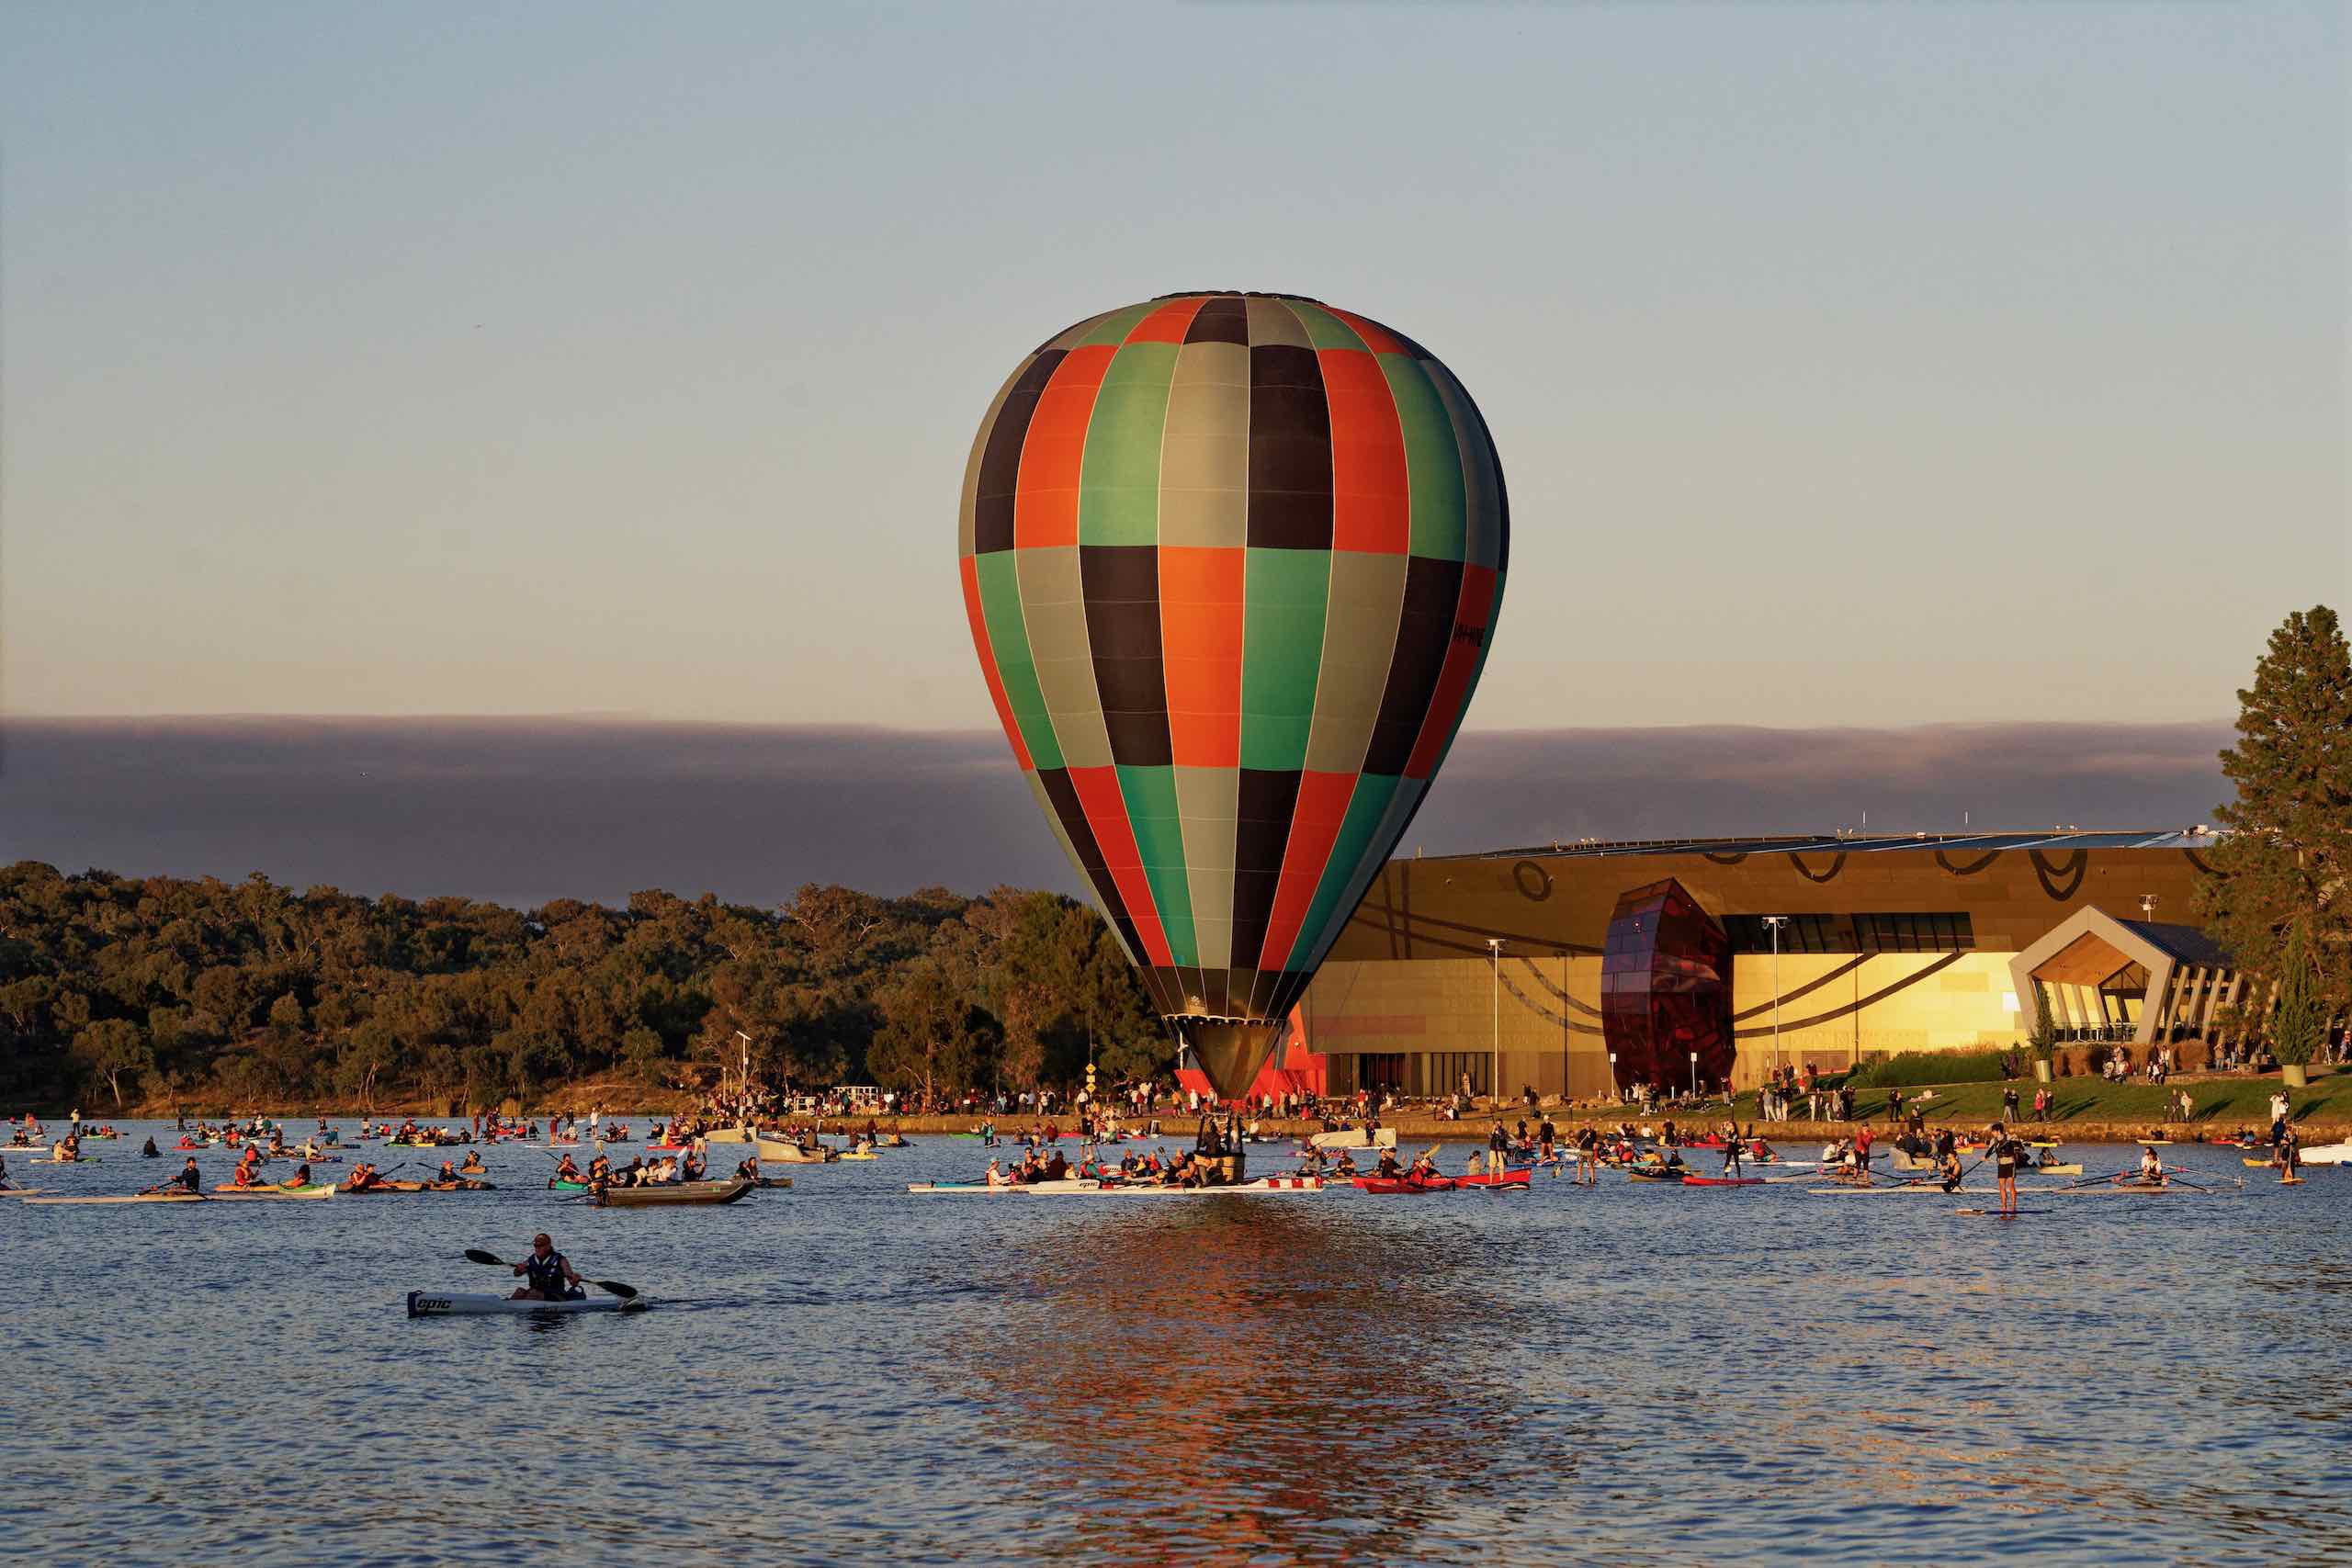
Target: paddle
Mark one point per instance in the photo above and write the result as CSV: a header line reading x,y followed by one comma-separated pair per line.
x,y
611,1287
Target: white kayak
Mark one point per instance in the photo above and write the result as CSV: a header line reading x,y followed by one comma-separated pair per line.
x,y
2328,1154
1075,1188
429,1303
1355,1138
129,1198
1263,1185
1923,1189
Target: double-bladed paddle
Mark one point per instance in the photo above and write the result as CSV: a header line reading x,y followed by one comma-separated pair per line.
x,y
611,1287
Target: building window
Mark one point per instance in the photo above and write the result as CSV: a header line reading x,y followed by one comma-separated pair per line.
x,y
1666,989
1855,933
1914,933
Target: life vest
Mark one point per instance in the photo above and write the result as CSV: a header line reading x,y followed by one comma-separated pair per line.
x,y
546,1274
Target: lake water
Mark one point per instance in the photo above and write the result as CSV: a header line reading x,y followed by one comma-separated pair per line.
x,y
1622,1374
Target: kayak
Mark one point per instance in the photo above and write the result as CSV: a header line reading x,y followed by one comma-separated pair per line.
x,y
1355,1138
21,1192
315,1189
1723,1182
1247,1189
1390,1186
567,1186
673,1192
1671,1178
421,1304
130,1197
2051,1170
1922,1190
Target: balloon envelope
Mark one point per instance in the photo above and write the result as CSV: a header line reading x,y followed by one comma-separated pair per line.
x,y
1231,563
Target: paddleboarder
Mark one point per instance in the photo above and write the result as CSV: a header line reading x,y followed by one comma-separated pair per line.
x,y
551,1277
2004,1151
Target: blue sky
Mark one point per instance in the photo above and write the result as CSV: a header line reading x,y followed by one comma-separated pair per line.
x,y
1851,364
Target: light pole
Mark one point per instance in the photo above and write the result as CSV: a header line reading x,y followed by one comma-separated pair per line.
x,y
1495,1086
1776,922
1694,1077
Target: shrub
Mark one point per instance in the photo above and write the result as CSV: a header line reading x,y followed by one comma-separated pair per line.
x,y
1911,1068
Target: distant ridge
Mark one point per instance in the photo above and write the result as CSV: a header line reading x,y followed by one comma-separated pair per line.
x,y
528,808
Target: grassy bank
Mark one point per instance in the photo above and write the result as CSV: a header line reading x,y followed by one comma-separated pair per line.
x,y
2220,1102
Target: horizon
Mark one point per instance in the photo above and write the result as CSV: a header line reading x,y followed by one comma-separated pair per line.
x,y
525,811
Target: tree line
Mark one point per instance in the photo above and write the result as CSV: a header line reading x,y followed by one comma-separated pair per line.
x,y
117,991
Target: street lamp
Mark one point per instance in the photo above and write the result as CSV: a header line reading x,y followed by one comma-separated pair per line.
x,y
1776,922
1694,1076
1495,1083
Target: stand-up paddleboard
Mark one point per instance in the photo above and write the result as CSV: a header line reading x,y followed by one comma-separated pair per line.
x,y
2000,1213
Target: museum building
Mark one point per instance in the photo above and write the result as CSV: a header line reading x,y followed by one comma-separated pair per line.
x,y
1569,968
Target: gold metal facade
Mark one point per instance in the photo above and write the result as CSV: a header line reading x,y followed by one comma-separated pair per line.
x,y
1411,993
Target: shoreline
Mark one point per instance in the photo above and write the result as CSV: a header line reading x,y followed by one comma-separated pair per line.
x,y
1411,1129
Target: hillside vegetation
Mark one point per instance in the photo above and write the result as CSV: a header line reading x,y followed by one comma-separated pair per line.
x,y
117,991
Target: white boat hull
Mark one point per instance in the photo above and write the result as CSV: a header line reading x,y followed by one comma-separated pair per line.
x,y
1356,1138
431,1303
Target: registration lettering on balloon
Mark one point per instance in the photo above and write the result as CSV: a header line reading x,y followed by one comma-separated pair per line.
x,y
1232,564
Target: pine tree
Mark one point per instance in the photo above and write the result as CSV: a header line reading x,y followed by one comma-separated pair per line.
x,y
2298,1017
2287,857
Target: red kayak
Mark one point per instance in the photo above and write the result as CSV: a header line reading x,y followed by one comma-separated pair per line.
x,y
1394,1184
1498,1179
1723,1182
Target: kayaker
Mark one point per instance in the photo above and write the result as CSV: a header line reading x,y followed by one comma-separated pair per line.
x,y
1346,1166
552,1278
300,1179
1949,1172
188,1176
363,1177
1388,1166
471,1165
150,1151
447,1173
565,1170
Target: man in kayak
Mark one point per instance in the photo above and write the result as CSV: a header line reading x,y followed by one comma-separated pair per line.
x,y
471,1165
565,1170
552,1278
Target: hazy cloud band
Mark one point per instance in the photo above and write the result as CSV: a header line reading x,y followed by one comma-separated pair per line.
x,y
524,810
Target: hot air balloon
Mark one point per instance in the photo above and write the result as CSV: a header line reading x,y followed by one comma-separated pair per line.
x,y
1231,562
